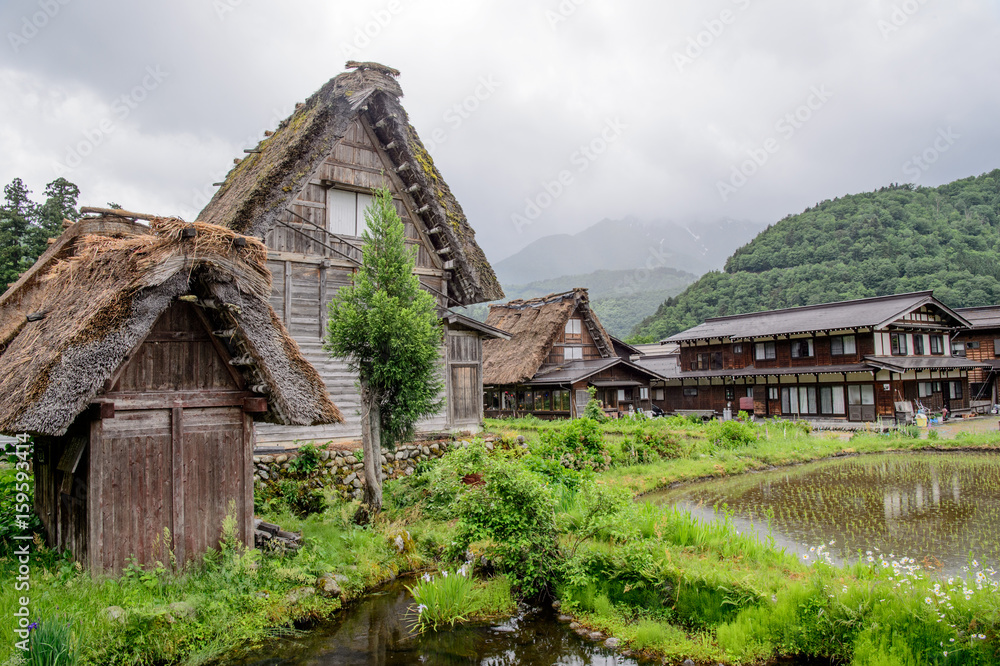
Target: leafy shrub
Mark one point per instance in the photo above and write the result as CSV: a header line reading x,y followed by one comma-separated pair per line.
x,y
648,446
437,484
297,496
593,409
306,462
14,483
731,434
513,513
577,445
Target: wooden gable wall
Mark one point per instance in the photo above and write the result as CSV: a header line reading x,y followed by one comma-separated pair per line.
x,y
308,268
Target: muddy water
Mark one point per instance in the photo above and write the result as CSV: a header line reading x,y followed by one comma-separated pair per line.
x,y
376,630
939,508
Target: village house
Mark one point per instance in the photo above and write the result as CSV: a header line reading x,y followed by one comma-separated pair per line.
x,y
138,357
304,190
557,349
982,344
855,360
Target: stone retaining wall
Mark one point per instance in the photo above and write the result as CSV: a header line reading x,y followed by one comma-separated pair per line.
x,y
345,470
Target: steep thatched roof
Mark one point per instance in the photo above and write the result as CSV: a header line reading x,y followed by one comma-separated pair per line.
x,y
72,319
534,325
257,191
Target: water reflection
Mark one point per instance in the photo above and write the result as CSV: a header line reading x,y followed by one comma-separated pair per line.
x,y
934,507
375,632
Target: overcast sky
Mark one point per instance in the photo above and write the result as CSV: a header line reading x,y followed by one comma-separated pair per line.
x,y
568,112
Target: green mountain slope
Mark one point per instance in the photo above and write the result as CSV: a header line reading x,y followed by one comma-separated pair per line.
x,y
621,299
897,239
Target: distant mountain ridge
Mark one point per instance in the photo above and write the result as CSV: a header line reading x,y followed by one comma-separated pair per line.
x,y
621,299
629,245
900,238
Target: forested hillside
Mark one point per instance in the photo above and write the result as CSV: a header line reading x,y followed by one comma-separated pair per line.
x,y
900,238
26,226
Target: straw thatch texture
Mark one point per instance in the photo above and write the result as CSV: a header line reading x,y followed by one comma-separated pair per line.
x,y
257,191
534,325
75,316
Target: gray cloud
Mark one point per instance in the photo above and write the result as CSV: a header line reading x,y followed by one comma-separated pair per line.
x,y
899,72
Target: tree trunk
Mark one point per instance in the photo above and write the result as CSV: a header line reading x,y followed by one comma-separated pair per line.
x,y
371,444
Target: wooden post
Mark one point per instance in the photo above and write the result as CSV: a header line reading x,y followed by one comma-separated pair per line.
x,y
179,481
288,295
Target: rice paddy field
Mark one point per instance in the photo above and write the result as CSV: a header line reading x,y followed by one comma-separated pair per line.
x,y
942,509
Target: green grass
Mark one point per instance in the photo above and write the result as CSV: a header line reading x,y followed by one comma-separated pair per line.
x,y
661,581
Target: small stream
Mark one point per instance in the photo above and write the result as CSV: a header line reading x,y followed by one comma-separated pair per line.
x,y
376,631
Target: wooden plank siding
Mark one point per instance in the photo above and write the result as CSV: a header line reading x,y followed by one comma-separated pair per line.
x,y
309,267
164,468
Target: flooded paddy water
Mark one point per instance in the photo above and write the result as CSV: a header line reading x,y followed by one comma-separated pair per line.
x,y
942,509
376,630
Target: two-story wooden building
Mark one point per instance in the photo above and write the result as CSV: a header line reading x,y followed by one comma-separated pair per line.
x,y
557,349
854,360
981,343
304,190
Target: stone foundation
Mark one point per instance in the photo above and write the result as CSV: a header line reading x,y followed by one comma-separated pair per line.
x,y
344,469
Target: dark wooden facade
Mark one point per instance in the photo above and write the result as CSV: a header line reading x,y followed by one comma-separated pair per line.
x,y
858,370
160,459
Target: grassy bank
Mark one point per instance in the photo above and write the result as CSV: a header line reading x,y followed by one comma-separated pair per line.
x,y
549,512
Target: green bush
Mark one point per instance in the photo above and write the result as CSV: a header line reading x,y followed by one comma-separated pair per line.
x,y
731,434
14,483
577,445
512,514
437,484
306,462
297,496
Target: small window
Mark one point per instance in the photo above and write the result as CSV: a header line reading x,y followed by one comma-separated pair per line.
x,y
573,327
772,393
972,344
737,348
690,392
925,389
621,395
802,348
897,342
764,351
996,347
918,345
937,344
957,348
643,393
843,345
573,353
658,394
730,393
955,390
345,211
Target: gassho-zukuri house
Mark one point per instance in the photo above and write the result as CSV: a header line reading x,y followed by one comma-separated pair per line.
x,y
556,351
853,360
304,190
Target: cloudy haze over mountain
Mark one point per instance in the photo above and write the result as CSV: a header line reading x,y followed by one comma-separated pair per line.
x,y
544,117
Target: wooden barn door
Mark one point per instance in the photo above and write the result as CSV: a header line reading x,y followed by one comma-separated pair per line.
x,y
465,378
175,457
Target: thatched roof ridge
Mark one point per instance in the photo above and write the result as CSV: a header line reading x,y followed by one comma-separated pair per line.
x,y
72,319
534,325
257,191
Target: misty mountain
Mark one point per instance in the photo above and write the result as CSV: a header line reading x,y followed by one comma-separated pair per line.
x,y
627,245
621,298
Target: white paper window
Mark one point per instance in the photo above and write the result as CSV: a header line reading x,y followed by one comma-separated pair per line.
x,y
364,200
573,327
643,393
345,211
573,353
621,395
659,394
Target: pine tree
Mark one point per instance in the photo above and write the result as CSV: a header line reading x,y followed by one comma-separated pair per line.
x,y
15,219
387,328
60,204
